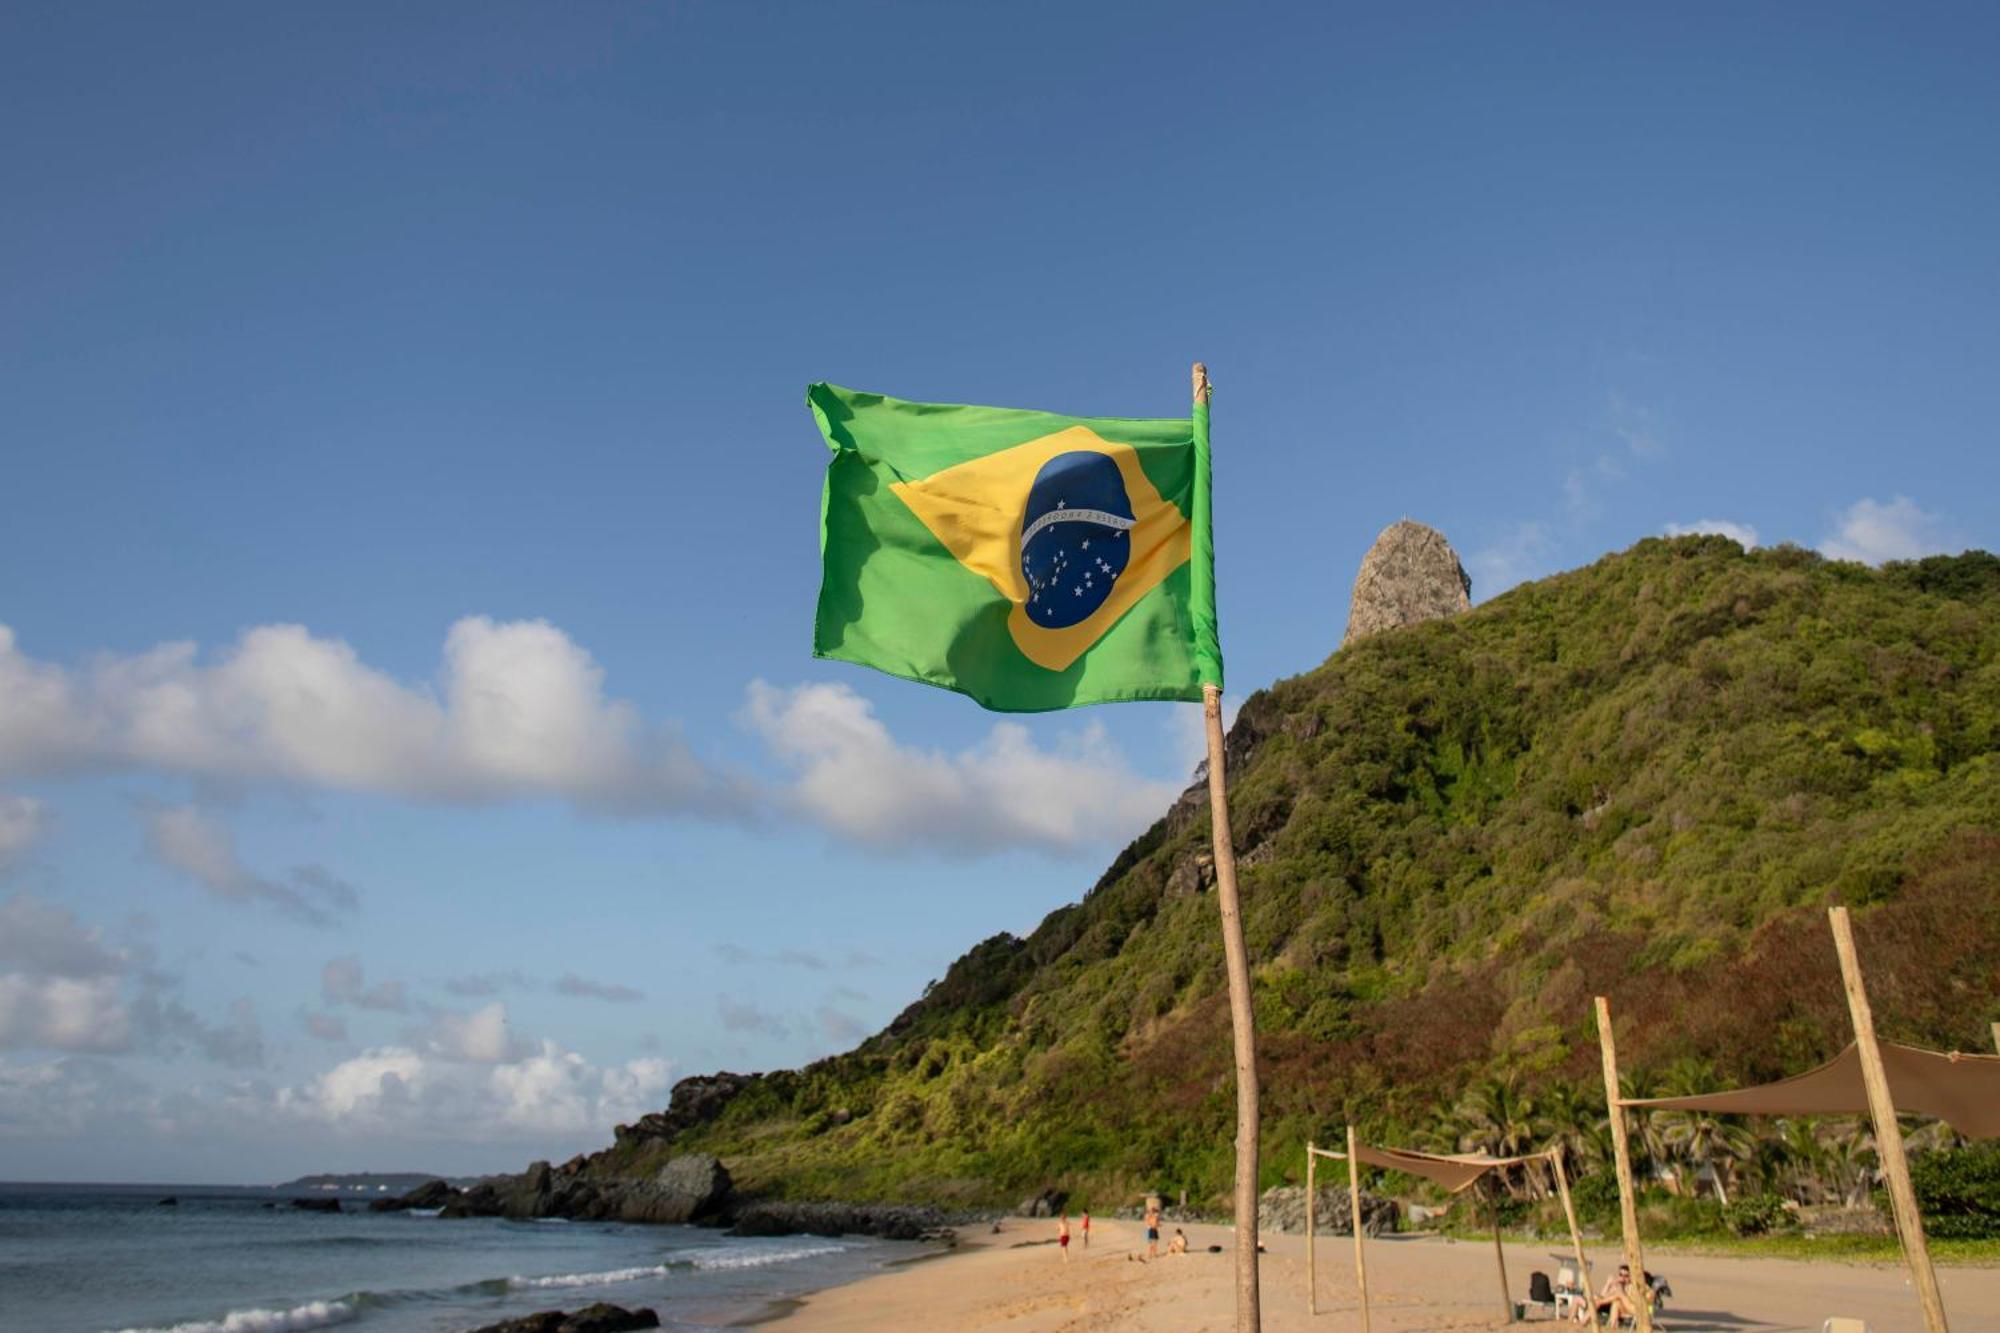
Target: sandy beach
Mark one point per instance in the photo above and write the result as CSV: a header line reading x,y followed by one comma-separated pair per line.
x,y
1017,1281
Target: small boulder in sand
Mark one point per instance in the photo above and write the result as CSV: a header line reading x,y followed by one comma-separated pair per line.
x,y
599,1318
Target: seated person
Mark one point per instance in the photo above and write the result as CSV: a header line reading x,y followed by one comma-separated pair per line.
x,y
1619,1299
1178,1245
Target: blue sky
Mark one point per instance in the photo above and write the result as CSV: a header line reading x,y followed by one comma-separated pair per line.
x,y
410,755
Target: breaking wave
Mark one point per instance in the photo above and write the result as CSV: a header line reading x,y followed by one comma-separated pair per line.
x,y
724,1258
313,1314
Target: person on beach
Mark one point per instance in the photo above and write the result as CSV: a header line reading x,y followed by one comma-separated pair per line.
x,y
1178,1245
1152,1227
1617,1302
1062,1236
1086,1228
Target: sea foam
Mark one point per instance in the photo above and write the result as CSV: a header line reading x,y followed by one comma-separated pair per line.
x,y
313,1314
757,1258
726,1257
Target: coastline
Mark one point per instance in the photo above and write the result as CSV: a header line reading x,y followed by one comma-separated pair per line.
x,y
1017,1281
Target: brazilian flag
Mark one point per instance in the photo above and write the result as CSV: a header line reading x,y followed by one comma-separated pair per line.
x,y
1029,560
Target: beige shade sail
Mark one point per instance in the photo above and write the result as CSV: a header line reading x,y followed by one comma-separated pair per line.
x,y
1961,1090
1455,1172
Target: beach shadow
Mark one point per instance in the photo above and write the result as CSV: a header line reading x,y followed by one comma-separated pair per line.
x,y
1677,1320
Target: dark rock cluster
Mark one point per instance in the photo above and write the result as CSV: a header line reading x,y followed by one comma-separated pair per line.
x,y
1048,1203
890,1221
599,1318
694,1101
1283,1208
693,1187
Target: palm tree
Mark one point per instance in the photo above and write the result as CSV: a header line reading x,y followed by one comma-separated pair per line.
x,y
1570,1124
1705,1139
1847,1146
1702,1138
1496,1118
1791,1158
1638,1084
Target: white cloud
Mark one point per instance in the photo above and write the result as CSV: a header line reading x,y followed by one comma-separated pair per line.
x,y
519,711
23,822
398,1090
1873,532
479,1037
201,847
1741,533
341,981
1523,553
61,988
63,1013
1006,793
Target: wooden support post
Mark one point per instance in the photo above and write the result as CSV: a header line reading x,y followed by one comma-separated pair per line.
x,y
1312,1278
1575,1236
1996,1036
1628,1206
1888,1134
1354,1221
1242,1023
1500,1257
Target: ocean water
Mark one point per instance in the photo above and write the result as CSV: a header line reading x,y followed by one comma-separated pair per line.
x,y
93,1258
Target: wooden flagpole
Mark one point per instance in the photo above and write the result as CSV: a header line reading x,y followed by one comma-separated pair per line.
x,y
1242,1027
1628,1208
1575,1236
1312,1278
1354,1217
1888,1134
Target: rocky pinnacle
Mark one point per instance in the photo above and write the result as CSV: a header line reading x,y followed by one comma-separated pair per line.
x,y
1409,575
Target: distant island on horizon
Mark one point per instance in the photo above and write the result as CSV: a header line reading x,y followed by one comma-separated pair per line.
x,y
373,1182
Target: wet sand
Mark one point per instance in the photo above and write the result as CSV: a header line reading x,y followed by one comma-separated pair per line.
x,y
1017,1281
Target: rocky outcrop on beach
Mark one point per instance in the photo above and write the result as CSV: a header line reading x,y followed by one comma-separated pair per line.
x,y
430,1194
599,1318
692,1187
689,1188
1046,1204
1283,1208
1409,575
889,1221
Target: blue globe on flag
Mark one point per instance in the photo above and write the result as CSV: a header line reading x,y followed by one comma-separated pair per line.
x,y
1075,537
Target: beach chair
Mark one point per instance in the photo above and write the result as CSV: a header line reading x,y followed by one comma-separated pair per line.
x,y
1841,1324
1570,1294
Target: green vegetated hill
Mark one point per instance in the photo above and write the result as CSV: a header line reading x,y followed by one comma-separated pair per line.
x,y
1643,779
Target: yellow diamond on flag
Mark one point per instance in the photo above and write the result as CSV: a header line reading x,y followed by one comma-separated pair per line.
x,y
1067,528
